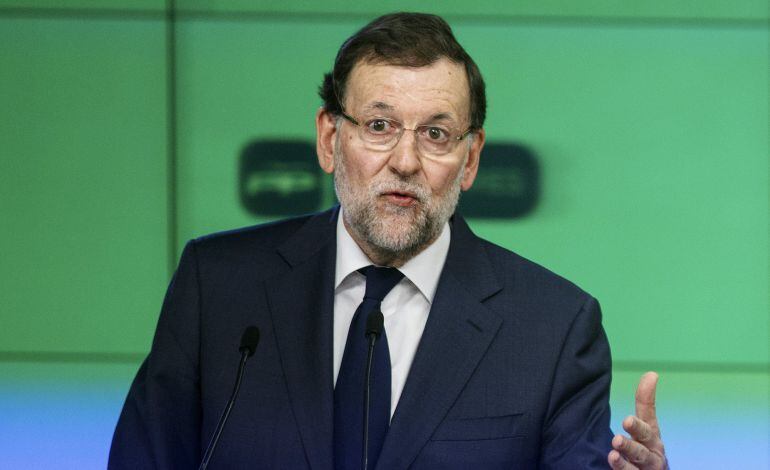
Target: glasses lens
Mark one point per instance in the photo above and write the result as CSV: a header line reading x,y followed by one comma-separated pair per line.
x,y
380,133
435,140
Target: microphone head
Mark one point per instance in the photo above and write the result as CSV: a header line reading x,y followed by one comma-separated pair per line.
x,y
374,323
249,340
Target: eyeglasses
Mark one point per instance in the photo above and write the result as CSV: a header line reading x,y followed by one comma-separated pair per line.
x,y
383,134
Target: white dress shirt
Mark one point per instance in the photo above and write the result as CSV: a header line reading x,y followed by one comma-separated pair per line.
x,y
405,308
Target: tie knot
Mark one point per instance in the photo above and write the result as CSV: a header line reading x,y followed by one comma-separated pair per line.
x,y
380,281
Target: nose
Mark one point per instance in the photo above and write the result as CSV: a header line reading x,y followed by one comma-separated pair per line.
x,y
404,158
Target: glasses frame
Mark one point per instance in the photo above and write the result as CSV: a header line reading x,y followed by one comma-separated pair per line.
x,y
355,122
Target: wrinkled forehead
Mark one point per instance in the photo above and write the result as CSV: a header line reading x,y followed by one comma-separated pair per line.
x,y
440,88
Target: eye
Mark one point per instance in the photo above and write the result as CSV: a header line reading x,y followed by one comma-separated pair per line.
x,y
436,134
379,126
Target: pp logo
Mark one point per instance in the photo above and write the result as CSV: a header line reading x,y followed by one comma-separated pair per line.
x,y
280,177
507,186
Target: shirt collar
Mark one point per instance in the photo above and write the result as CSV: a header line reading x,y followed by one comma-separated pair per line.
x,y
423,270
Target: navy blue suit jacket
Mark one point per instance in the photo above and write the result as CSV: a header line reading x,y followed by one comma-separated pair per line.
x,y
512,371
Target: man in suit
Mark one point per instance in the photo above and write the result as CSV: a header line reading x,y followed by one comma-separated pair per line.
x,y
486,359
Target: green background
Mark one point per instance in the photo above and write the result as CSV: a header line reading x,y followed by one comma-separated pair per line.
x,y
122,123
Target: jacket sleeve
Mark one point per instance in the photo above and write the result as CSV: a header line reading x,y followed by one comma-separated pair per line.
x,y
577,432
159,426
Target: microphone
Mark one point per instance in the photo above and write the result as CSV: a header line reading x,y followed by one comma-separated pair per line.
x,y
374,324
249,341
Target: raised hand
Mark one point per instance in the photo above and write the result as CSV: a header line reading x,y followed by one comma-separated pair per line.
x,y
644,449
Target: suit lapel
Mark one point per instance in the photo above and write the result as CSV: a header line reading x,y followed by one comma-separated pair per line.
x,y
458,332
301,304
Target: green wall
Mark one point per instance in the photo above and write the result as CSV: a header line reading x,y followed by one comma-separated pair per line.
x,y
120,135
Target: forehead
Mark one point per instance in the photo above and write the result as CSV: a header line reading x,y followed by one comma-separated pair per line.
x,y
438,88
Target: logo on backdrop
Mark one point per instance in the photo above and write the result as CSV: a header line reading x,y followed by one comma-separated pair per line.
x,y
282,178
507,186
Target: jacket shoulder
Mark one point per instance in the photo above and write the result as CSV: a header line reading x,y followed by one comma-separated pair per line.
x,y
258,248
531,280
261,237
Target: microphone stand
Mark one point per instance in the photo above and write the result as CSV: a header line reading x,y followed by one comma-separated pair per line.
x,y
374,325
249,343
225,414
367,394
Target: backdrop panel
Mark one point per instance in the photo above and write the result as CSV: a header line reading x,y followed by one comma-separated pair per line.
x,y
82,184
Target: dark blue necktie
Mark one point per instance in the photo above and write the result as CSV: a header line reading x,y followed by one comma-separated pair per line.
x,y
349,390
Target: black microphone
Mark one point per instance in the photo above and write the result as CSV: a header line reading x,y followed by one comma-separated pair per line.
x,y
249,341
374,323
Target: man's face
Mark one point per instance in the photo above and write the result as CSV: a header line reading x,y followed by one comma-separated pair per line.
x,y
396,201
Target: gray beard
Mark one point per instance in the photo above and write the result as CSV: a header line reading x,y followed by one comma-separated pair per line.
x,y
393,233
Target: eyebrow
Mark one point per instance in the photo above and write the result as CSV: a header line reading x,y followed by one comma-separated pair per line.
x,y
442,117
382,106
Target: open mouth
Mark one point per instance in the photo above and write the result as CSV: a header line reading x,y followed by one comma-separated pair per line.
x,y
401,198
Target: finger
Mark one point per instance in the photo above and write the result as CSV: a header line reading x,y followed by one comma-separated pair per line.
x,y
644,434
640,431
645,399
635,452
645,455
617,462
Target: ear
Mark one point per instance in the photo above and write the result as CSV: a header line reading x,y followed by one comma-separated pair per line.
x,y
472,163
326,139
